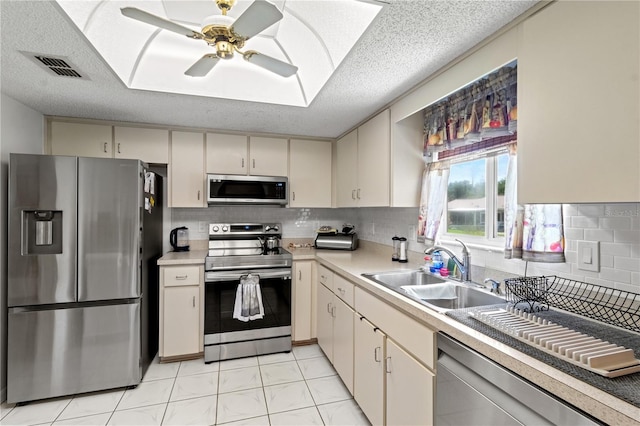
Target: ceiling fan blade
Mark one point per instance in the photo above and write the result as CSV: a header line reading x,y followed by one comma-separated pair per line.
x,y
202,66
148,18
259,16
274,65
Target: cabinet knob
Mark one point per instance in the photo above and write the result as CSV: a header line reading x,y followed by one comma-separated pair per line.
x,y
254,163
243,162
294,195
198,195
387,365
358,196
300,275
376,354
329,307
119,148
194,301
181,277
353,194
105,147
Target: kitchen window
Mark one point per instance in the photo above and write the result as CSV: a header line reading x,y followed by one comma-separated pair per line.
x,y
474,210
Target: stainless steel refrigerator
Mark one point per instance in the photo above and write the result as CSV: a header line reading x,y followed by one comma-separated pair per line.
x,y
84,238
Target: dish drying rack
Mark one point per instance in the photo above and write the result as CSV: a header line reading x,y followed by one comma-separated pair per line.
x,y
611,306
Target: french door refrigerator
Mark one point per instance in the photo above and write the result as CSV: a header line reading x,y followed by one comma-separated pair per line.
x,y
84,238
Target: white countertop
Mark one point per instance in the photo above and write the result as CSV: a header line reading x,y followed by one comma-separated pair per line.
x,y
372,257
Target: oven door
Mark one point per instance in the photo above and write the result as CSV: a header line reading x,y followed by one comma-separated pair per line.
x,y
226,337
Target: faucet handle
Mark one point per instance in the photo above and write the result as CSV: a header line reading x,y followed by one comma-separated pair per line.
x,y
495,285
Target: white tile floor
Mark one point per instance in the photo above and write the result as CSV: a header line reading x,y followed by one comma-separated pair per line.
x,y
297,388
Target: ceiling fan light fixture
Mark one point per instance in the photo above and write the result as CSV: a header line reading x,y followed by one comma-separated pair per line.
x,y
224,49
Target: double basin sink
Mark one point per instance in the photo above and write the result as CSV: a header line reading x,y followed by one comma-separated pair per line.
x,y
434,292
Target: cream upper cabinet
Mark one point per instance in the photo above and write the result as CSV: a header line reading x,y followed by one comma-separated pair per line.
x,y
148,145
303,300
81,139
347,170
373,162
227,154
309,173
268,156
186,170
578,103
363,163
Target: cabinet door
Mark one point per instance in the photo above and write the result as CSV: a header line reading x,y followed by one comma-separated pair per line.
x,y
302,277
269,156
226,154
374,161
324,327
347,170
410,389
82,140
578,103
181,321
343,342
368,375
310,173
186,170
148,145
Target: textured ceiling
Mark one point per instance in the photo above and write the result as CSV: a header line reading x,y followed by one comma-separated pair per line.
x,y
409,41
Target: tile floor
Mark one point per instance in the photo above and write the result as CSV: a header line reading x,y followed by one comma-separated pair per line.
x,y
297,388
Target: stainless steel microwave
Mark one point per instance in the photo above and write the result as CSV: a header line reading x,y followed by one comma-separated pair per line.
x,y
236,189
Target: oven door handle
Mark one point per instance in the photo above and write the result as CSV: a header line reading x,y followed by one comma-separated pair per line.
x,y
236,276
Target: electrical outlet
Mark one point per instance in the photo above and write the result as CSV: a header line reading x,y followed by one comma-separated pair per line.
x,y
373,228
316,224
412,233
202,226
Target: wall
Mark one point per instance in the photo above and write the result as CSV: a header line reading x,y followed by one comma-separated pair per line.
x,y
21,130
616,226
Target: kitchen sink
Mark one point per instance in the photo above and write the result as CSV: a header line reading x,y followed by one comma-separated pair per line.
x,y
434,292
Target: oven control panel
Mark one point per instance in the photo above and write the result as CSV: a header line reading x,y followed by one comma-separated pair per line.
x,y
244,228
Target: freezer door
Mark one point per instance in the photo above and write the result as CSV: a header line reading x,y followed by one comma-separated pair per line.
x,y
68,351
109,228
42,229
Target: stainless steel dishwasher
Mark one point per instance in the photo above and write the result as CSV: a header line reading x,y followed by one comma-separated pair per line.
x,y
473,390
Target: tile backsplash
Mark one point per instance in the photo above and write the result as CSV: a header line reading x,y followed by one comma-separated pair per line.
x,y
615,226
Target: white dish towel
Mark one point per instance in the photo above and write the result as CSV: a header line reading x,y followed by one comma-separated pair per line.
x,y
248,304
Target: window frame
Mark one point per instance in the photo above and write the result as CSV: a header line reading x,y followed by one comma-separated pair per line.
x,y
490,240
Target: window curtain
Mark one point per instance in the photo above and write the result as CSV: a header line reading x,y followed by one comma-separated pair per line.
x,y
435,181
533,232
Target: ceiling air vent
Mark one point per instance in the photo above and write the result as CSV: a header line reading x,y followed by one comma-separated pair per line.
x,y
59,66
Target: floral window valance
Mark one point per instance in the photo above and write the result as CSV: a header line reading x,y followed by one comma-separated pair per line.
x,y
484,109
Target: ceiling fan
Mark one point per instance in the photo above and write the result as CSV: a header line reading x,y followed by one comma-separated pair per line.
x,y
226,35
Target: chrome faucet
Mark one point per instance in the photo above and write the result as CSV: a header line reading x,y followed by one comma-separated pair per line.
x,y
464,266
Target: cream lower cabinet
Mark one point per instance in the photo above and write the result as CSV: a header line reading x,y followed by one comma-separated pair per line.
x,y
369,360
410,388
335,327
394,359
303,306
181,313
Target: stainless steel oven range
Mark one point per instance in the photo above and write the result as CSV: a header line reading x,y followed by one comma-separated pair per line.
x,y
239,254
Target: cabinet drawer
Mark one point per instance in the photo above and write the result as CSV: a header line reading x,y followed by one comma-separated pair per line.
x,y
343,289
325,276
181,275
413,336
